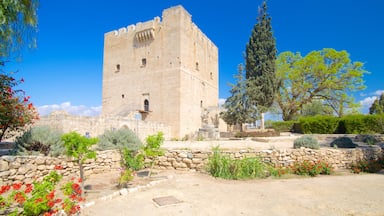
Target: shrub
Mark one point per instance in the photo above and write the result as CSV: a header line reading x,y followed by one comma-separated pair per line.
x,y
39,140
306,141
283,126
40,197
367,138
372,166
223,166
343,142
310,168
354,124
319,124
119,139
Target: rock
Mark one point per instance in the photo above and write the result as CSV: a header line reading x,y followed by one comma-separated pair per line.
x,y
14,165
183,155
40,160
41,167
26,168
3,165
4,174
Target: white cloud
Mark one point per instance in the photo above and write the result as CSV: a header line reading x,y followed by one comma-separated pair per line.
x,y
80,110
378,92
366,103
221,101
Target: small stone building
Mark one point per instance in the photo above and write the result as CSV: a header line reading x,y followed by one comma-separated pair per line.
x,y
163,70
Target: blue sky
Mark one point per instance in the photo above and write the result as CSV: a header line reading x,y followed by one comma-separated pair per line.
x,y
65,70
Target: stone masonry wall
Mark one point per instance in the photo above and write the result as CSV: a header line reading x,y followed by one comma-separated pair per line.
x,y
28,168
338,158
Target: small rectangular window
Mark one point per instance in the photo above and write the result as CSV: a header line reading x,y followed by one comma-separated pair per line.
x,y
143,62
117,68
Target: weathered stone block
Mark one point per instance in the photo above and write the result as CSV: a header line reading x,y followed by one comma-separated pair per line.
x,y
3,165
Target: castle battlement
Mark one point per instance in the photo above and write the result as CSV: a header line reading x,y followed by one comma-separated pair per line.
x,y
132,29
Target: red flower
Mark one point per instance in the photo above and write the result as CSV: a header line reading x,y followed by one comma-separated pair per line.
x,y
30,106
4,189
19,197
51,204
28,188
58,200
80,180
51,195
73,196
16,186
39,200
58,167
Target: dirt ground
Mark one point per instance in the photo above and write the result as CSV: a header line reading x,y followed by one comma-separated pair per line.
x,y
195,193
201,194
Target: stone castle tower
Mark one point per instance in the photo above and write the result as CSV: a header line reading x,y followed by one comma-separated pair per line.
x,y
163,70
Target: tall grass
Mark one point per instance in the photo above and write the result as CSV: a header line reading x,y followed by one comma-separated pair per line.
x,y
223,166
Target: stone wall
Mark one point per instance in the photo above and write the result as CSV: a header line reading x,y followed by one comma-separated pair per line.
x,y
97,125
338,158
28,168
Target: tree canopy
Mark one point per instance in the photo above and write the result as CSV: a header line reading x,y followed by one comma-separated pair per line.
x,y
377,106
260,57
18,24
327,75
238,110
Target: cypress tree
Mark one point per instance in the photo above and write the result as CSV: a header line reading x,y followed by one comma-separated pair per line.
x,y
260,58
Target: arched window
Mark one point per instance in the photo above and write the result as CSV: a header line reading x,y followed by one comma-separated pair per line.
x,y
146,105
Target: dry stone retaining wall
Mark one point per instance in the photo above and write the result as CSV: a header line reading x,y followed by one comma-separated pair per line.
x,y
28,168
338,158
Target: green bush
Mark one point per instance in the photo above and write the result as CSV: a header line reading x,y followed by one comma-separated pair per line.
x,y
363,124
283,126
343,142
306,141
319,124
131,159
223,166
119,139
39,140
355,124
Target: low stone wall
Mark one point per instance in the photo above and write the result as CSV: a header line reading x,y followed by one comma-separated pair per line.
x,y
338,158
28,168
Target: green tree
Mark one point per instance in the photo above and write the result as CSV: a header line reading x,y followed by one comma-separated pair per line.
x,y
260,66
377,106
237,108
16,111
18,24
316,107
326,75
79,147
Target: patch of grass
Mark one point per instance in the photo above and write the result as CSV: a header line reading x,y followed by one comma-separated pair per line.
x,y
223,166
